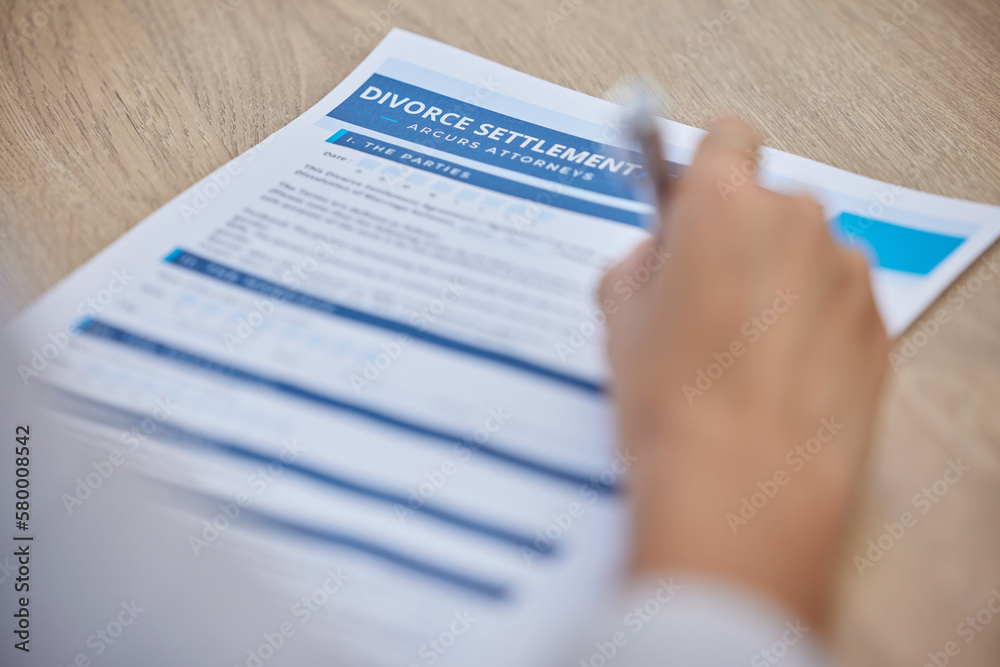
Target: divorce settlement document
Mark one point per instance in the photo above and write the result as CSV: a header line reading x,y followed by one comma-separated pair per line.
x,y
344,401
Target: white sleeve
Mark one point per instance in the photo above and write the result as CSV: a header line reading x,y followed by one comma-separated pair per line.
x,y
681,621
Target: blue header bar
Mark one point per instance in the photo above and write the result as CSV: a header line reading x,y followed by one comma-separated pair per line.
x,y
228,274
103,330
104,413
424,162
408,112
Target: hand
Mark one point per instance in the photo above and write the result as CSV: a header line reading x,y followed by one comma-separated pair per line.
x,y
746,374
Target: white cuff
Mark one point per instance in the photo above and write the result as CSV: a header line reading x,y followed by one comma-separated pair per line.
x,y
684,620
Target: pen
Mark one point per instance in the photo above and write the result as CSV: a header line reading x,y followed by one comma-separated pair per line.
x,y
641,124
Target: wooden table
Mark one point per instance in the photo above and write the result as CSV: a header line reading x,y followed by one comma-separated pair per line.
x,y
108,109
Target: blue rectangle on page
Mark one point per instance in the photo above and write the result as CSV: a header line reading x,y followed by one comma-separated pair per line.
x,y
338,135
896,247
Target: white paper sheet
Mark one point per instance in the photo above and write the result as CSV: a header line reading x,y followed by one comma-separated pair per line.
x,y
368,350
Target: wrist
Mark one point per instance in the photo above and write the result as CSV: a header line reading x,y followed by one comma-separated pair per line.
x,y
689,489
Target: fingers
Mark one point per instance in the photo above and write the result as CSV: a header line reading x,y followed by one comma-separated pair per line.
x,y
729,136
729,152
872,325
724,169
730,147
619,271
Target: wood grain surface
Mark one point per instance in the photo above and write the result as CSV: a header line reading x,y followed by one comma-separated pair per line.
x,y
110,108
